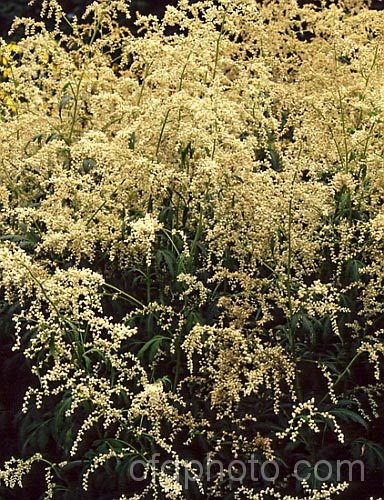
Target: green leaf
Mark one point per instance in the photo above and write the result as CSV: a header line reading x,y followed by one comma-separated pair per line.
x,y
352,270
348,416
88,165
168,257
153,346
65,100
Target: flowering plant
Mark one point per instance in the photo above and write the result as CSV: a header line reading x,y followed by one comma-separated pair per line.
x,y
191,246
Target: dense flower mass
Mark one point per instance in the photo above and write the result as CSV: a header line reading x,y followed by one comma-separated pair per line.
x,y
191,249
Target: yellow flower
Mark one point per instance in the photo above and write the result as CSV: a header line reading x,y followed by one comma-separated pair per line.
x,y
6,72
10,103
13,47
7,101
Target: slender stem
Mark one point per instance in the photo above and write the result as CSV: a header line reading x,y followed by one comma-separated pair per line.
x,y
38,283
90,219
168,235
330,129
183,73
199,230
343,125
178,365
162,132
217,53
76,96
214,142
76,93
146,73
15,85
342,374
289,267
125,294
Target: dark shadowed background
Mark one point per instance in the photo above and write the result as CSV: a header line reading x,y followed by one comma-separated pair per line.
x,y
10,9
19,8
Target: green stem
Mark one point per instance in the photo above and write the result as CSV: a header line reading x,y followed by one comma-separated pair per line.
x,y
342,374
76,96
217,52
125,294
37,282
168,236
178,365
162,132
343,126
146,73
93,215
76,93
289,269
183,73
